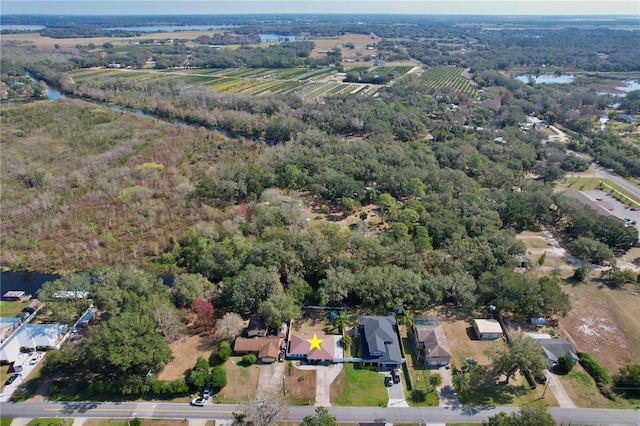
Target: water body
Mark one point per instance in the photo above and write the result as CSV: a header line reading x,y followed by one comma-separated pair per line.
x,y
274,38
546,79
51,93
172,28
21,27
630,86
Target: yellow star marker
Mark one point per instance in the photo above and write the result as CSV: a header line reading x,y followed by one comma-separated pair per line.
x,y
315,342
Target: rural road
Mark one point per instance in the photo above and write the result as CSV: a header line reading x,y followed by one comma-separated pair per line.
x,y
296,413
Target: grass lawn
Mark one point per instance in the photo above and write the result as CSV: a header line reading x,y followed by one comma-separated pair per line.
x,y
50,422
5,421
582,390
242,382
590,184
300,385
535,243
143,422
11,309
348,388
463,342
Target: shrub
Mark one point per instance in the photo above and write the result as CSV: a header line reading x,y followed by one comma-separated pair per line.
x,y
218,378
56,387
629,377
224,351
249,359
565,364
598,372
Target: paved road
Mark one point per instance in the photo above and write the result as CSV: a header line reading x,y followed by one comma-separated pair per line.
x,y
627,185
296,414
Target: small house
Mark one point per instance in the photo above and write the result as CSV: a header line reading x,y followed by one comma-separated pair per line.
x,y
257,326
431,345
315,346
266,349
487,329
553,349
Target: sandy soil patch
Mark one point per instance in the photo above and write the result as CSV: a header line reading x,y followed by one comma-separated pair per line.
x,y
604,323
186,351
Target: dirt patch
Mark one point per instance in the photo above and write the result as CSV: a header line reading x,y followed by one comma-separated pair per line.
x,y
186,351
604,323
313,320
300,385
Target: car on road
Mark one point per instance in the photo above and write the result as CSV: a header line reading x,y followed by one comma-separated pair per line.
x,y
388,381
33,361
12,379
198,402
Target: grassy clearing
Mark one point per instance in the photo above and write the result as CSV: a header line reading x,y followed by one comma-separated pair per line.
x,y
242,382
347,389
299,385
582,390
50,422
590,184
11,309
5,421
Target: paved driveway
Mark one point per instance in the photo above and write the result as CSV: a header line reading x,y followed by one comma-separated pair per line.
x,y
396,394
271,377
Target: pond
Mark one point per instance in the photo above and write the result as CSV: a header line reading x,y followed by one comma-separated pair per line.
x,y
546,79
21,27
51,93
274,38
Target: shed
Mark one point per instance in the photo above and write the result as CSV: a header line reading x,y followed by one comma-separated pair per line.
x,y
487,329
257,326
16,295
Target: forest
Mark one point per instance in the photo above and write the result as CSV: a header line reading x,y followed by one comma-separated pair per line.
x,y
420,190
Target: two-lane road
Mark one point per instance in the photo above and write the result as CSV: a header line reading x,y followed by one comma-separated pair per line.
x,y
296,414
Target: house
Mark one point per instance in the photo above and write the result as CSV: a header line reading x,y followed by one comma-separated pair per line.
x,y
378,63
315,346
487,329
380,342
266,349
30,337
17,296
553,349
257,326
431,344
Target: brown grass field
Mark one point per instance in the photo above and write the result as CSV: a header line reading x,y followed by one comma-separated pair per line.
x,y
604,322
242,382
300,385
186,351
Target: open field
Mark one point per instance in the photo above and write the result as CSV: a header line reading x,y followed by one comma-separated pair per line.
x,y
186,351
299,385
445,76
605,323
11,309
242,382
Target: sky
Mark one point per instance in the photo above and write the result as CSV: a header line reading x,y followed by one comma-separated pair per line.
x,y
449,7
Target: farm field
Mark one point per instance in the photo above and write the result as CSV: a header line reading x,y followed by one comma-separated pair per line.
x,y
309,84
445,76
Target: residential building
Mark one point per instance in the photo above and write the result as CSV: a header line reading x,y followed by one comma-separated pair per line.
x,y
487,329
431,345
380,342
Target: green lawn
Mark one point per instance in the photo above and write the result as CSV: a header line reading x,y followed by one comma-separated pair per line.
x,y
589,184
5,421
50,422
11,309
360,387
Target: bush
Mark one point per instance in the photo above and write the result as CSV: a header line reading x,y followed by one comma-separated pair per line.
x,y
629,377
598,372
218,378
56,387
565,364
224,351
249,359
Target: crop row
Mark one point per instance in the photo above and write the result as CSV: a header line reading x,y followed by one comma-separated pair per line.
x,y
446,76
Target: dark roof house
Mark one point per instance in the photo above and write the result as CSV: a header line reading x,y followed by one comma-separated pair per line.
x,y
257,326
380,343
556,348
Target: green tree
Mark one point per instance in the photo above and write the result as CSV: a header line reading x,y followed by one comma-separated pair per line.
x,y
278,308
218,378
521,353
198,377
628,378
224,351
565,364
530,415
341,320
188,287
321,418
591,251
249,288
435,380
460,381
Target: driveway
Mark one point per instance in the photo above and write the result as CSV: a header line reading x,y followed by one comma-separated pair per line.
x,y
396,395
271,377
325,375
558,391
446,393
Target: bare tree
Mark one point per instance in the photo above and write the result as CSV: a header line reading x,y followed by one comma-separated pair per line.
x,y
230,325
169,323
267,409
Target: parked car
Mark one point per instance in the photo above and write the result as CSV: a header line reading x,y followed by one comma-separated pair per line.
x,y
206,393
12,379
388,381
33,360
395,374
198,402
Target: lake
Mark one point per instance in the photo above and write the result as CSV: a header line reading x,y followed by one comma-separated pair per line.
x,y
546,79
274,38
51,93
21,27
172,28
